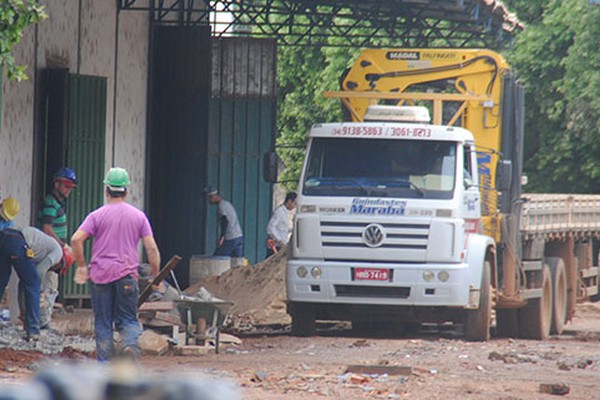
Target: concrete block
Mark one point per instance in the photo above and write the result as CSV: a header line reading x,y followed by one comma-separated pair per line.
x,y
152,343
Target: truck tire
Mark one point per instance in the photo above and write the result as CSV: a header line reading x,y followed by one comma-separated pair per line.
x,y
558,272
477,322
535,318
303,321
507,322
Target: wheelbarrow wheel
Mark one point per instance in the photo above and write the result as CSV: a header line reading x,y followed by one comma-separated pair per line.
x,y
303,320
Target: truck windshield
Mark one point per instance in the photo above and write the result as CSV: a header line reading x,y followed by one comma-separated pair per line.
x,y
381,168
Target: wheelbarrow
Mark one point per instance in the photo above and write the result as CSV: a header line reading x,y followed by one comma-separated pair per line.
x,y
202,319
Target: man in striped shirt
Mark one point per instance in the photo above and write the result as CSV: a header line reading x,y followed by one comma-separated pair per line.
x,y
52,221
53,215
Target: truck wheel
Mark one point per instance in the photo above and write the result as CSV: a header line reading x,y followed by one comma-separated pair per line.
x,y
559,288
303,321
477,322
535,318
507,322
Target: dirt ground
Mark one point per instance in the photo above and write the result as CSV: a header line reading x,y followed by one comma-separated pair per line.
x,y
435,363
440,364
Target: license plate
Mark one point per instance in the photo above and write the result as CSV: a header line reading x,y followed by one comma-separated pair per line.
x,y
371,274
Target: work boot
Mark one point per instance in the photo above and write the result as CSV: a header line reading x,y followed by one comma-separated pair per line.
x,y
130,353
32,337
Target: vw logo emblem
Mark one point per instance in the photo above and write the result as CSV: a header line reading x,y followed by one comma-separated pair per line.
x,y
373,235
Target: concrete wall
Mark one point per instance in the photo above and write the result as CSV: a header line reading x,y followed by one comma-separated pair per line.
x,y
93,40
16,132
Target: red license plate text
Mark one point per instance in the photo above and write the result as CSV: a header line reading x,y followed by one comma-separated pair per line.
x,y
372,274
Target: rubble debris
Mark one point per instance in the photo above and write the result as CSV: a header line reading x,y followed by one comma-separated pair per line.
x,y
583,364
259,376
559,389
51,341
360,343
510,358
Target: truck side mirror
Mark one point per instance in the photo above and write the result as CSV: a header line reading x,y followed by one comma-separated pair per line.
x,y
270,164
503,175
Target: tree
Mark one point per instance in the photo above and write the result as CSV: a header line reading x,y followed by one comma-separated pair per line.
x,y
558,60
304,73
15,17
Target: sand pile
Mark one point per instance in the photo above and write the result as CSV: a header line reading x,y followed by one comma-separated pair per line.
x,y
257,291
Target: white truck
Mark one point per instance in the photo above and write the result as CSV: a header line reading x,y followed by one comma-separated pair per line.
x,y
403,221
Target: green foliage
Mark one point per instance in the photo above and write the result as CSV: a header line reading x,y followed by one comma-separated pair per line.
x,y
15,17
304,73
558,60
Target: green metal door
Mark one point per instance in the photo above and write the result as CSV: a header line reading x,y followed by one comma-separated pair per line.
x,y
85,145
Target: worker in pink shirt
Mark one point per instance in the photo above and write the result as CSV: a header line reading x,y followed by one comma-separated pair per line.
x,y
117,227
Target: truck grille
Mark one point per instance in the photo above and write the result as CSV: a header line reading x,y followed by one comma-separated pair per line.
x,y
338,237
390,292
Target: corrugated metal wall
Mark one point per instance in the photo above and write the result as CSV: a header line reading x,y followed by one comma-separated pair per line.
x,y
241,130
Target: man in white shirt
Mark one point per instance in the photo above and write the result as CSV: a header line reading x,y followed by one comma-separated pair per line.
x,y
278,229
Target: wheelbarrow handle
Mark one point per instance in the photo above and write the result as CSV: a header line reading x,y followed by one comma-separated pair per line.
x,y
159,278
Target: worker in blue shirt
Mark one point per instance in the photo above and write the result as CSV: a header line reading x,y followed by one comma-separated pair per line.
x,y
16,253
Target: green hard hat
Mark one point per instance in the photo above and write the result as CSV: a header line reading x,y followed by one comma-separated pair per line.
x,y
117,177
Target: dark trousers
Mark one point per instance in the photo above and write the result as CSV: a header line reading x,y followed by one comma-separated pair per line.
x,y
115,306
231,248
14,252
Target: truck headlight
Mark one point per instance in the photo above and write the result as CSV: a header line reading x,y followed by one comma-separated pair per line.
x,y
428,276
302,272
316,272
443,276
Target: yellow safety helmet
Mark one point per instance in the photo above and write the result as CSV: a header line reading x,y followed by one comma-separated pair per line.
x,y
10,208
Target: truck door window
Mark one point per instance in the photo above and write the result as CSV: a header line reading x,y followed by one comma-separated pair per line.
x,y
468,167
381,168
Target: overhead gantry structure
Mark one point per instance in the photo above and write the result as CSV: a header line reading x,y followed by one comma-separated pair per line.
x,y
345,23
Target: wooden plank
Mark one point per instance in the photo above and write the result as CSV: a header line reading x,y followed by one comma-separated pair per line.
x,y
156,306
379,369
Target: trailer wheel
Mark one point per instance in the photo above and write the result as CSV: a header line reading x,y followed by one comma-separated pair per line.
x,y
477,322
559,288
507,322
535,318
303,320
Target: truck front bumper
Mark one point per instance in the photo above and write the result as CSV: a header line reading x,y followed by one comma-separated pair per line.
x,y
434,285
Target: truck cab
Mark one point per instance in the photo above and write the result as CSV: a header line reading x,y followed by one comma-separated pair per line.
x,y
388,209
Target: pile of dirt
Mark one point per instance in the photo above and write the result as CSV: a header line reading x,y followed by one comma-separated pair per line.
x,y
257,291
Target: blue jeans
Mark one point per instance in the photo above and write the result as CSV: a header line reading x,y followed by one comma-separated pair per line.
x,y
231,248
14,252
115,306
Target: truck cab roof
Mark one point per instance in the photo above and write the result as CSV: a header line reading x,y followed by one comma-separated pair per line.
x,y
391,130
